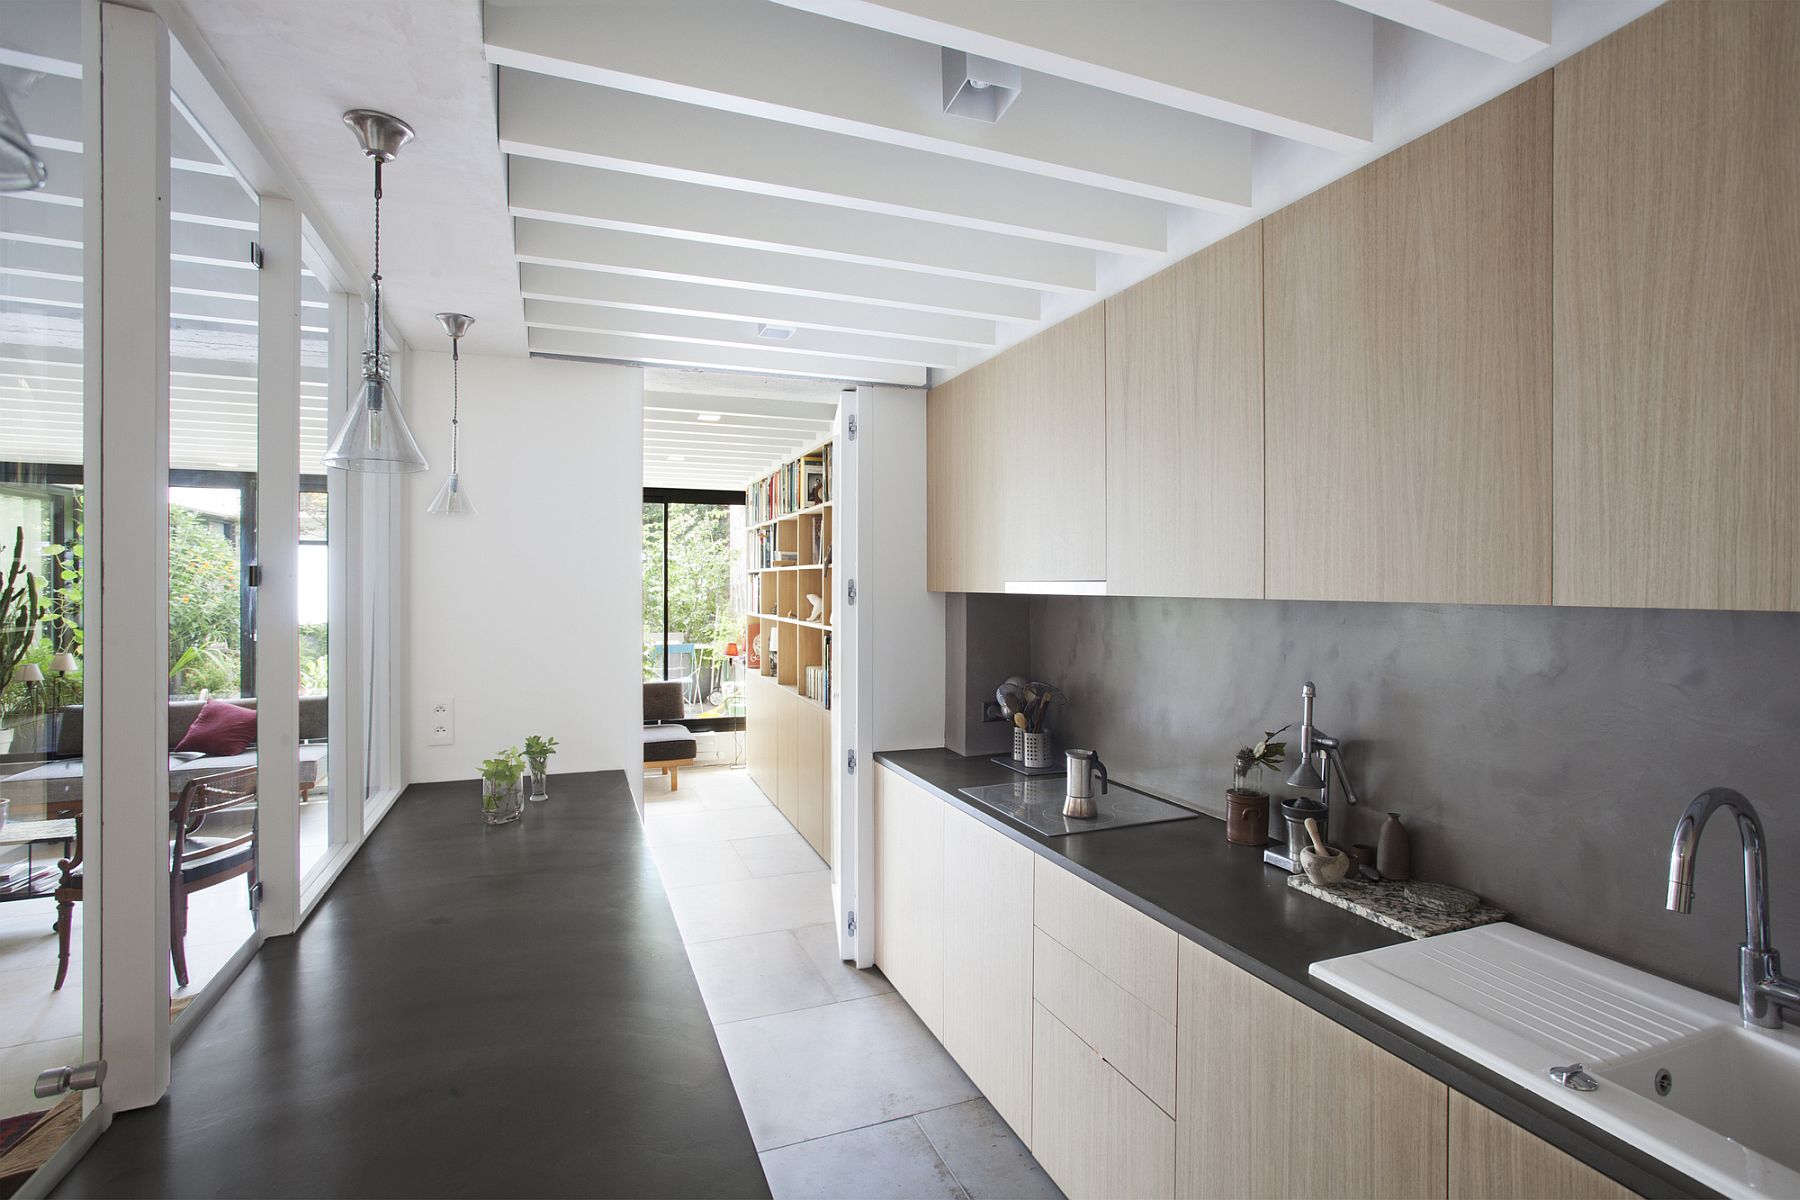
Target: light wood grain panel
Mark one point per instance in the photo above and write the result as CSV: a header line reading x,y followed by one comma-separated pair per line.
x,y
987,964
1056,453
759,734
827,791
1408,368
810,766
909,895
1123,944
788,773
1184,427
955,497
1096,1135
1119,1027
1677,305
1275,1099
1493,1159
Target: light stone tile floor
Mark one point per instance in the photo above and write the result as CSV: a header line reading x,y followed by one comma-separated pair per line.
x,y
846,1092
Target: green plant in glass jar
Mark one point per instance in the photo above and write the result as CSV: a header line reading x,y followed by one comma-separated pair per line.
x,y
537,754
501,800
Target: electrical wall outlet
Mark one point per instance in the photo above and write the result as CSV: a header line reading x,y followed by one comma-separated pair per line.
x,y
440,723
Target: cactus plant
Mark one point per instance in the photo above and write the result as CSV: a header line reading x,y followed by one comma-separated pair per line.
x,y
20,612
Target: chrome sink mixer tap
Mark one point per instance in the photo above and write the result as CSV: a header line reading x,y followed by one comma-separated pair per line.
x,y
1319,756
1763,991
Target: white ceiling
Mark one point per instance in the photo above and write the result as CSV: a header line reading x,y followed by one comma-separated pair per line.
x,y
711,429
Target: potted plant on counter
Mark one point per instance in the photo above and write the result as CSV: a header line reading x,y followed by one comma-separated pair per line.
x,y
501,800
537,753
1246,803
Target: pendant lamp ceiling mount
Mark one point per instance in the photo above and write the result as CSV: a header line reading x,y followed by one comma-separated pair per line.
x,y
381,135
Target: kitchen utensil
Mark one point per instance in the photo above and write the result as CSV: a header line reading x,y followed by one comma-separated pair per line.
x,y
1037,749
1323,865
1295,810
1084,767
1393,850
1020,721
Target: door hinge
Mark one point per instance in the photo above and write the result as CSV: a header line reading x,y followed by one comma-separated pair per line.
x,y
850,593
58,1080
253,575
256,256
850,923
851,763
256,896
850,426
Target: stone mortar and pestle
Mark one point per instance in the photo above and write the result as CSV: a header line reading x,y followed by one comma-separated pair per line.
x,y
1323,865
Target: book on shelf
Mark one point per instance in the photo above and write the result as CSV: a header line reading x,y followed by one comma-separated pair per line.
x,y
825,668
800,484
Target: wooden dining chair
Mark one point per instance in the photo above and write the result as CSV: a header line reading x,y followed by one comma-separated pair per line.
x,y
197,860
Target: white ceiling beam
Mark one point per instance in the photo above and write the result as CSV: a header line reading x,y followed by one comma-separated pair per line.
x,y
1510,30
544,117
764,61
1300,69
554,191
702,300
734,427
551,314
810,412
614,347
636,254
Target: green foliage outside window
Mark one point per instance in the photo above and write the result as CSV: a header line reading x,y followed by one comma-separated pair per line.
x,y
700,557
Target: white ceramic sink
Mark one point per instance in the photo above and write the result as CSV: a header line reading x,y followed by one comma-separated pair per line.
x,y
1520,1004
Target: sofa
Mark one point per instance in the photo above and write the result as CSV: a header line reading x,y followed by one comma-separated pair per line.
x,y
57,783
667,743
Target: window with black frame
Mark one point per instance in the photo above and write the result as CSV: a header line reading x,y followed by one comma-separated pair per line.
x,y
694,589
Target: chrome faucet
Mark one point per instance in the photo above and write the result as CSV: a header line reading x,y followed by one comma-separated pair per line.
x,y
1762,989
1319,756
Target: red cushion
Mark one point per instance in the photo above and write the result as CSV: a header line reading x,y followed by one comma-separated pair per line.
x,y
221,729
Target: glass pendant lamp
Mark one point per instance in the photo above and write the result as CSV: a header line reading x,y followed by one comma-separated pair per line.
x,y
374,436
452,500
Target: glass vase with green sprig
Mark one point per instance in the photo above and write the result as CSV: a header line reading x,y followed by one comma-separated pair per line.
x,y
1252,761
501,800
537,754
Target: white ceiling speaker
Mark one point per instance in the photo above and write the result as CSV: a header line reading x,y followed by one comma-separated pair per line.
x,y
976,87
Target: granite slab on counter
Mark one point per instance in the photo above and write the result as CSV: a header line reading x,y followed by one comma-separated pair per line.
x,y
1185,875
1391,906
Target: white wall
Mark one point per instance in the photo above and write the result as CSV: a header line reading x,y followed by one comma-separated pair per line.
x,y
529,615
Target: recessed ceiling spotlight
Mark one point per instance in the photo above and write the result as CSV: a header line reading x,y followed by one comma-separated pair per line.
x,y
707,417
775,333
979,88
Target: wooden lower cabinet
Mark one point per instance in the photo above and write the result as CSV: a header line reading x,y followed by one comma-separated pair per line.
x,y
1092,1132
760,699
813,725
987,963
1274,1099
1493,1159
909,894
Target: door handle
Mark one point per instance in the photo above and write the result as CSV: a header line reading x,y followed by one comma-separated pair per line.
x,y
57,1080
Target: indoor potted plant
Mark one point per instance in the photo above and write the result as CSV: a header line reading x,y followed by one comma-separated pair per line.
x,y
501,800
537,754
1246,804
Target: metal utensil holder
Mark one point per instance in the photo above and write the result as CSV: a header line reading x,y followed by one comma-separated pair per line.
x,y
1033,749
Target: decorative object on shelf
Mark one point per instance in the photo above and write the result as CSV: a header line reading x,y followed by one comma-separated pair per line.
x,y
1323,865
452,500
374,436
501,800
817,611
1246,803
537,756
1080,803
1393,850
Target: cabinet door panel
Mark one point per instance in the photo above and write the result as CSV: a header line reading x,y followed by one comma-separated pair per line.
x,y
1127,947
810,765
1184,427
909,895
787,753
1408,362
1677,298
1095,1134
987,964
1122,1029
1274,1099
1493,1159
759,734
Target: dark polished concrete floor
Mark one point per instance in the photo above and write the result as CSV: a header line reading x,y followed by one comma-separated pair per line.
x,y
470,1012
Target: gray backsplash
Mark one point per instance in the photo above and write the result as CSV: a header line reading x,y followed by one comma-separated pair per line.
x,y
1540,756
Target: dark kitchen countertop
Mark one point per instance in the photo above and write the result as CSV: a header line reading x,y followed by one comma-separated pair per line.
x,y
1185,875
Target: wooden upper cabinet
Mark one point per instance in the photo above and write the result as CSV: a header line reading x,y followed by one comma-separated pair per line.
x,y
1016,464
1408,370
1677,306
1184,427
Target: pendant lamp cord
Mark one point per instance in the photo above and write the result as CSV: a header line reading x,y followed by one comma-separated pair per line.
x,y
455,397
376,277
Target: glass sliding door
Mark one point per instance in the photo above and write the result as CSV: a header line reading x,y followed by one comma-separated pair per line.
x,y
212,654
693,586
44,917
313,606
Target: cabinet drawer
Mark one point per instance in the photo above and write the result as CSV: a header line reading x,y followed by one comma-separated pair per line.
x,y
1093,1132
1121,943
1122,1029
